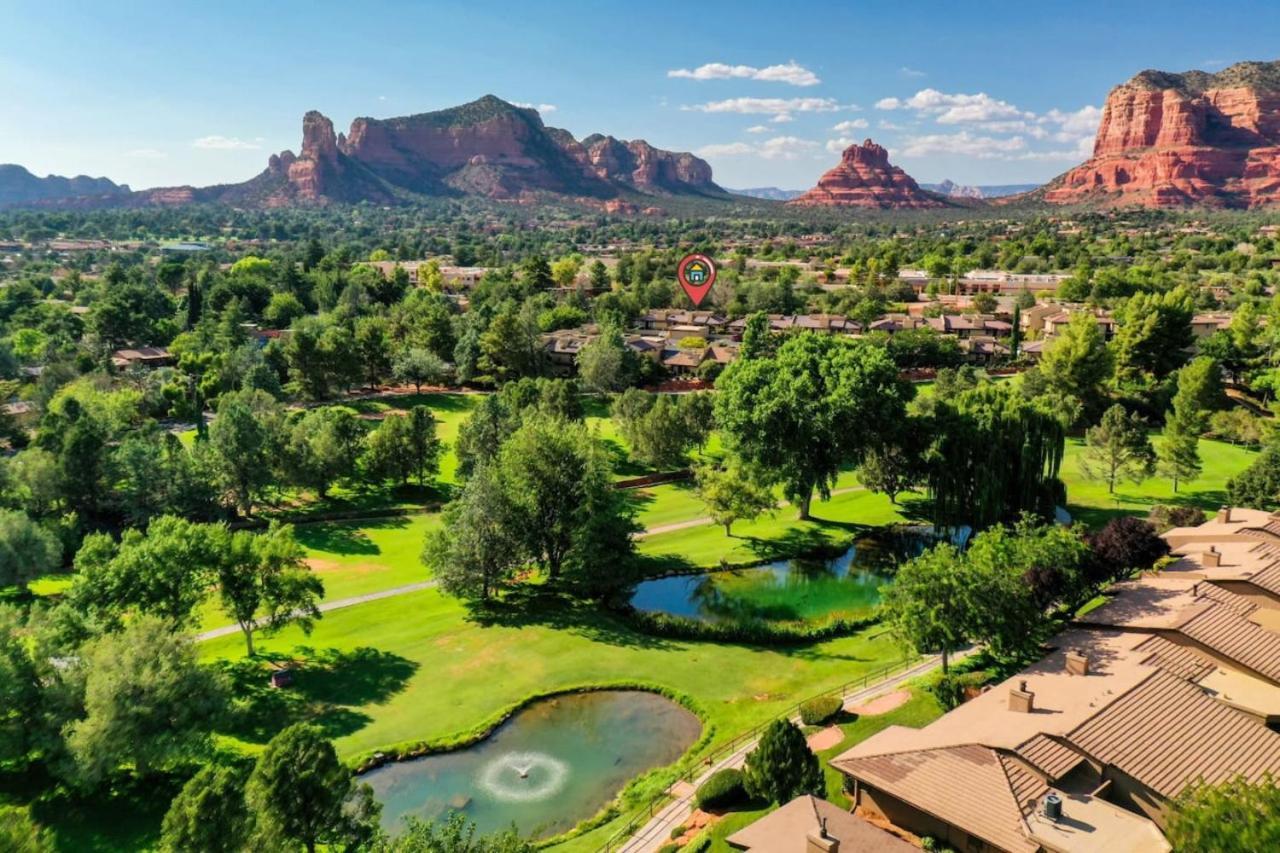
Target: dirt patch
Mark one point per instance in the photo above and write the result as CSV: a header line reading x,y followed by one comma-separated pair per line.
x,y
693,827
825,739
320,565
881,704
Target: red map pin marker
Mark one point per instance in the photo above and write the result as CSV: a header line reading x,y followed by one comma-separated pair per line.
x,y
696,274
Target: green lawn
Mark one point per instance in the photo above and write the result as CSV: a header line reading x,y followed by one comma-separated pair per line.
x,y
1089,501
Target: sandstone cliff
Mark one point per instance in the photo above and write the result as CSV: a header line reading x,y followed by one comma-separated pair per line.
x,y
1182,139
865,178
487,148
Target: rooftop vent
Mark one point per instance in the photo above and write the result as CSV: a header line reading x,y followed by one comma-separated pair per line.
x,y
1052,806
818,841
1211,558
1077,662
1021,699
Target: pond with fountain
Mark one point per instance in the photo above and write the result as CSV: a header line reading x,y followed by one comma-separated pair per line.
x,y
550,766
797,589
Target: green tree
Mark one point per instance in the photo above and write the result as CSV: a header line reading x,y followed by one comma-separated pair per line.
x,y
481,435
536,273
790,414
734,492
387,450
246,439
1258,486
1179,450
603,364
454,834
20,834
300,793
265,584
757,338
424,447
373,348
782,767
148,703
1154,335
324,446
1199,393
479,545
929,606
1077,362
209,815
165,571
599,274
1236,816
27,550
418,366
1118,448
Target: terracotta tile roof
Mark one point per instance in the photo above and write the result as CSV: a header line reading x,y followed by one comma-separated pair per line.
x,y
786,830
965,786
1225,597
1167,733
1268,579
1050,755
1027,786
1228,633
1182,661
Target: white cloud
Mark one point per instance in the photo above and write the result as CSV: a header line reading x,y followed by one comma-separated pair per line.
x,y
908,71
837,146
757,128
542,108
728,149
782,118
1083,120
981,147
888,104
850,124
785,148
791,73
147,154
382,97
884,124
769,106
777,148
226,143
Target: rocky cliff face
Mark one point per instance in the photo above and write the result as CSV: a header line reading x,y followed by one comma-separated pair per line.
x,y
1181,139
487,148
865,178
20,187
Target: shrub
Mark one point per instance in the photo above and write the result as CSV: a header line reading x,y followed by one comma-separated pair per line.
x,y
1127,544
722,790
698,845
676,832
746,630
669,848
815,712
1163,517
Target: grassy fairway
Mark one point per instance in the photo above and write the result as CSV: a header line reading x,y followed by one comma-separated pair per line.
x,y
419,667
1089,501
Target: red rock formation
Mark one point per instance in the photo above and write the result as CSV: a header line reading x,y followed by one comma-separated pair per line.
x,y
865,178
1181,139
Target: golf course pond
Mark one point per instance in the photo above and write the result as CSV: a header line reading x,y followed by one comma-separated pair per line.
x,y
550,766
786,590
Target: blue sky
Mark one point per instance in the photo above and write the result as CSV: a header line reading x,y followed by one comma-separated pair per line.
x,y
154,93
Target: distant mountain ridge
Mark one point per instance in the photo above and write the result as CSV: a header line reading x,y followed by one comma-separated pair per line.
x,y
953,190
18,186
769,193
487,148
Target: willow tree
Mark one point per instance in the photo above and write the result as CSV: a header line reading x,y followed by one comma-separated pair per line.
x,y
996,456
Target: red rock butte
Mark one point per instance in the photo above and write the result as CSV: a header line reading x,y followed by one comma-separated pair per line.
x,y
1184,139
865,178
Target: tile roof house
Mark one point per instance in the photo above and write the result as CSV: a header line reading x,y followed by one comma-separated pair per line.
x,y
1175,679
810,825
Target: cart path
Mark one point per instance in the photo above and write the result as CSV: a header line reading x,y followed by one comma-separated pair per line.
x,y
339,603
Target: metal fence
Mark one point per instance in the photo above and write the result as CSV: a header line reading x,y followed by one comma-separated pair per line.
x,y
646,813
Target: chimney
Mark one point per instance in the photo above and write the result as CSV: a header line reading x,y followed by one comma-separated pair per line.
x,y
1211,558
1021,699
1224,515
1077,662
818,841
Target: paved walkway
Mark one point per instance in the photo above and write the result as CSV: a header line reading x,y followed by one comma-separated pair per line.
x,y
657,831
699,522
326,606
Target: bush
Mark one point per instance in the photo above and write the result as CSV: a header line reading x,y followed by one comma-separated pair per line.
x,y
1164,517
676,832
698,845
747,630
722,790
669,848
815,712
